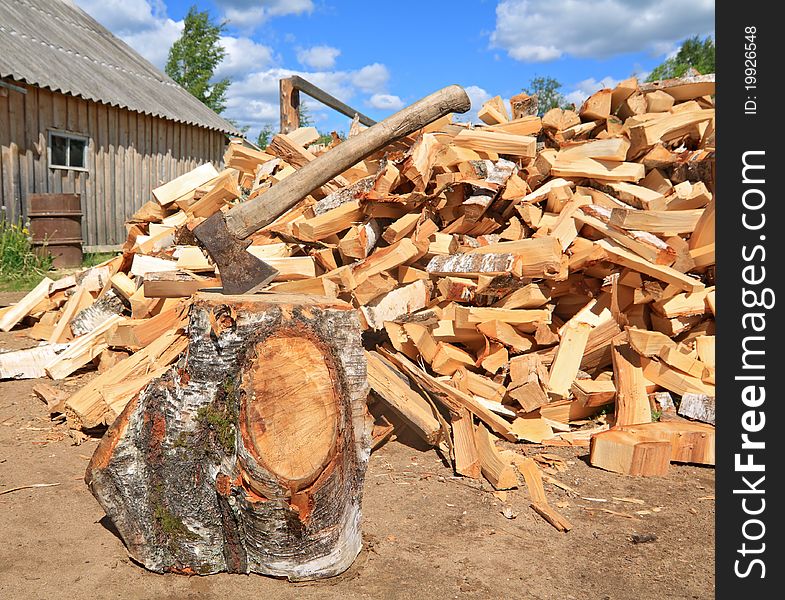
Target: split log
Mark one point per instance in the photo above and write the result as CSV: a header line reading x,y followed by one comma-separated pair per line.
x,y
539,502
589,392
174,189
395,391
496,470
631,453
82,350
398,302
603,170
95,315
699,407
684,88
237,461
689,442
568,357
13,314
91,406
30,363
467,458
632,402
624,258
175,284
54,398
493,141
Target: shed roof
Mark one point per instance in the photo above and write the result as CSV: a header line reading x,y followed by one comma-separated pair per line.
x,y
56,45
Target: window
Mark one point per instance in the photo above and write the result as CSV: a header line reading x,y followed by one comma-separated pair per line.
x,y
67,151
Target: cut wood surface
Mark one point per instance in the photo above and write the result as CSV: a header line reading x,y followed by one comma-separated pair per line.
x,y
630,453
87,408
689,442
594,392
675,381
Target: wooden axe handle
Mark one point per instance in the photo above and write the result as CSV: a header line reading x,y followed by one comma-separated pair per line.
x,y
246,218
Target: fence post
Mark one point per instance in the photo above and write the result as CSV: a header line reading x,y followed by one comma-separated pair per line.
x,y
290,105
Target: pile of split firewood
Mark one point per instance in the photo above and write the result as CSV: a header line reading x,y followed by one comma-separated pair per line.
x,y
545,280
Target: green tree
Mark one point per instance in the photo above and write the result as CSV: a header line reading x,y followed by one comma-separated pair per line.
x,y
306,120
194,57
265,135
694,53
548,94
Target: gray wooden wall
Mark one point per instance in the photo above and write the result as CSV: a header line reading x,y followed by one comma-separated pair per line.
x,y
128,155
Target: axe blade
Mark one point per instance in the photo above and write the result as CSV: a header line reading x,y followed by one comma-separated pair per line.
x,y
240,270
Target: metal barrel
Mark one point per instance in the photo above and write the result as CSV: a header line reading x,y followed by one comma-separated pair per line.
x,y
56,227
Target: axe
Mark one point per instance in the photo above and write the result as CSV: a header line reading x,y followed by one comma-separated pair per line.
x,y
224,235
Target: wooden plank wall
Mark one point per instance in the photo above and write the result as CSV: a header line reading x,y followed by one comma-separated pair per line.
x,y
128,155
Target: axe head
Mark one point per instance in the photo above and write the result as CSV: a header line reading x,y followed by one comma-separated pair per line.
x,y
240,270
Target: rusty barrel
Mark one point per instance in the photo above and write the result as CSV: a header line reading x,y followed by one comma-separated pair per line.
x,y
56,227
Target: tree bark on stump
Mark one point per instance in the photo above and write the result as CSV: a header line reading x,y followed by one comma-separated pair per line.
x,y
249,456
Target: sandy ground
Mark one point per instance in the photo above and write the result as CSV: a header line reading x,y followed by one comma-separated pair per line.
x,y
427,534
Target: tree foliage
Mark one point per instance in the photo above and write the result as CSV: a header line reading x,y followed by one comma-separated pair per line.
x,y
694,53
306,120
194,57
548,94
265,135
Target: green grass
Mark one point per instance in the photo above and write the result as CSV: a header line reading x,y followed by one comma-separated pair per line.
x,y
92,259
19,284
20,267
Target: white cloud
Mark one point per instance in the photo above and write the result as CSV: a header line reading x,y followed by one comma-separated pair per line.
x,y
142,24
371,78
154,43
386,102
478,96
584,89
124,16
318,57
247,15
543,30
253,100
243,56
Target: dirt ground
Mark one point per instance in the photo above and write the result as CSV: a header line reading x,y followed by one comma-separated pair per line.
x,y
427,534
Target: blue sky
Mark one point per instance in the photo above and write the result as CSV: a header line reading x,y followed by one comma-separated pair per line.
x,y
380,56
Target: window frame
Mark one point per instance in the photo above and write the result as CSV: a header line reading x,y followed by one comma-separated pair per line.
x,y
68,135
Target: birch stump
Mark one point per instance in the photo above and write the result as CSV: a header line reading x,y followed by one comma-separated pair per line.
x,y
250,455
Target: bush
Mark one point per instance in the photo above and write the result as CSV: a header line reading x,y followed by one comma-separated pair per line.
x,y
18,261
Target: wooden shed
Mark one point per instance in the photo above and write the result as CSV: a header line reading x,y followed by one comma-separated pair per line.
x,y
81,112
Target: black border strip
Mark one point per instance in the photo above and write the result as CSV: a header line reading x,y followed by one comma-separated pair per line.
x,y
750,255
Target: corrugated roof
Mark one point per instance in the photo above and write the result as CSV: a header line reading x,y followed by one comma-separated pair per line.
x,y
56,45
